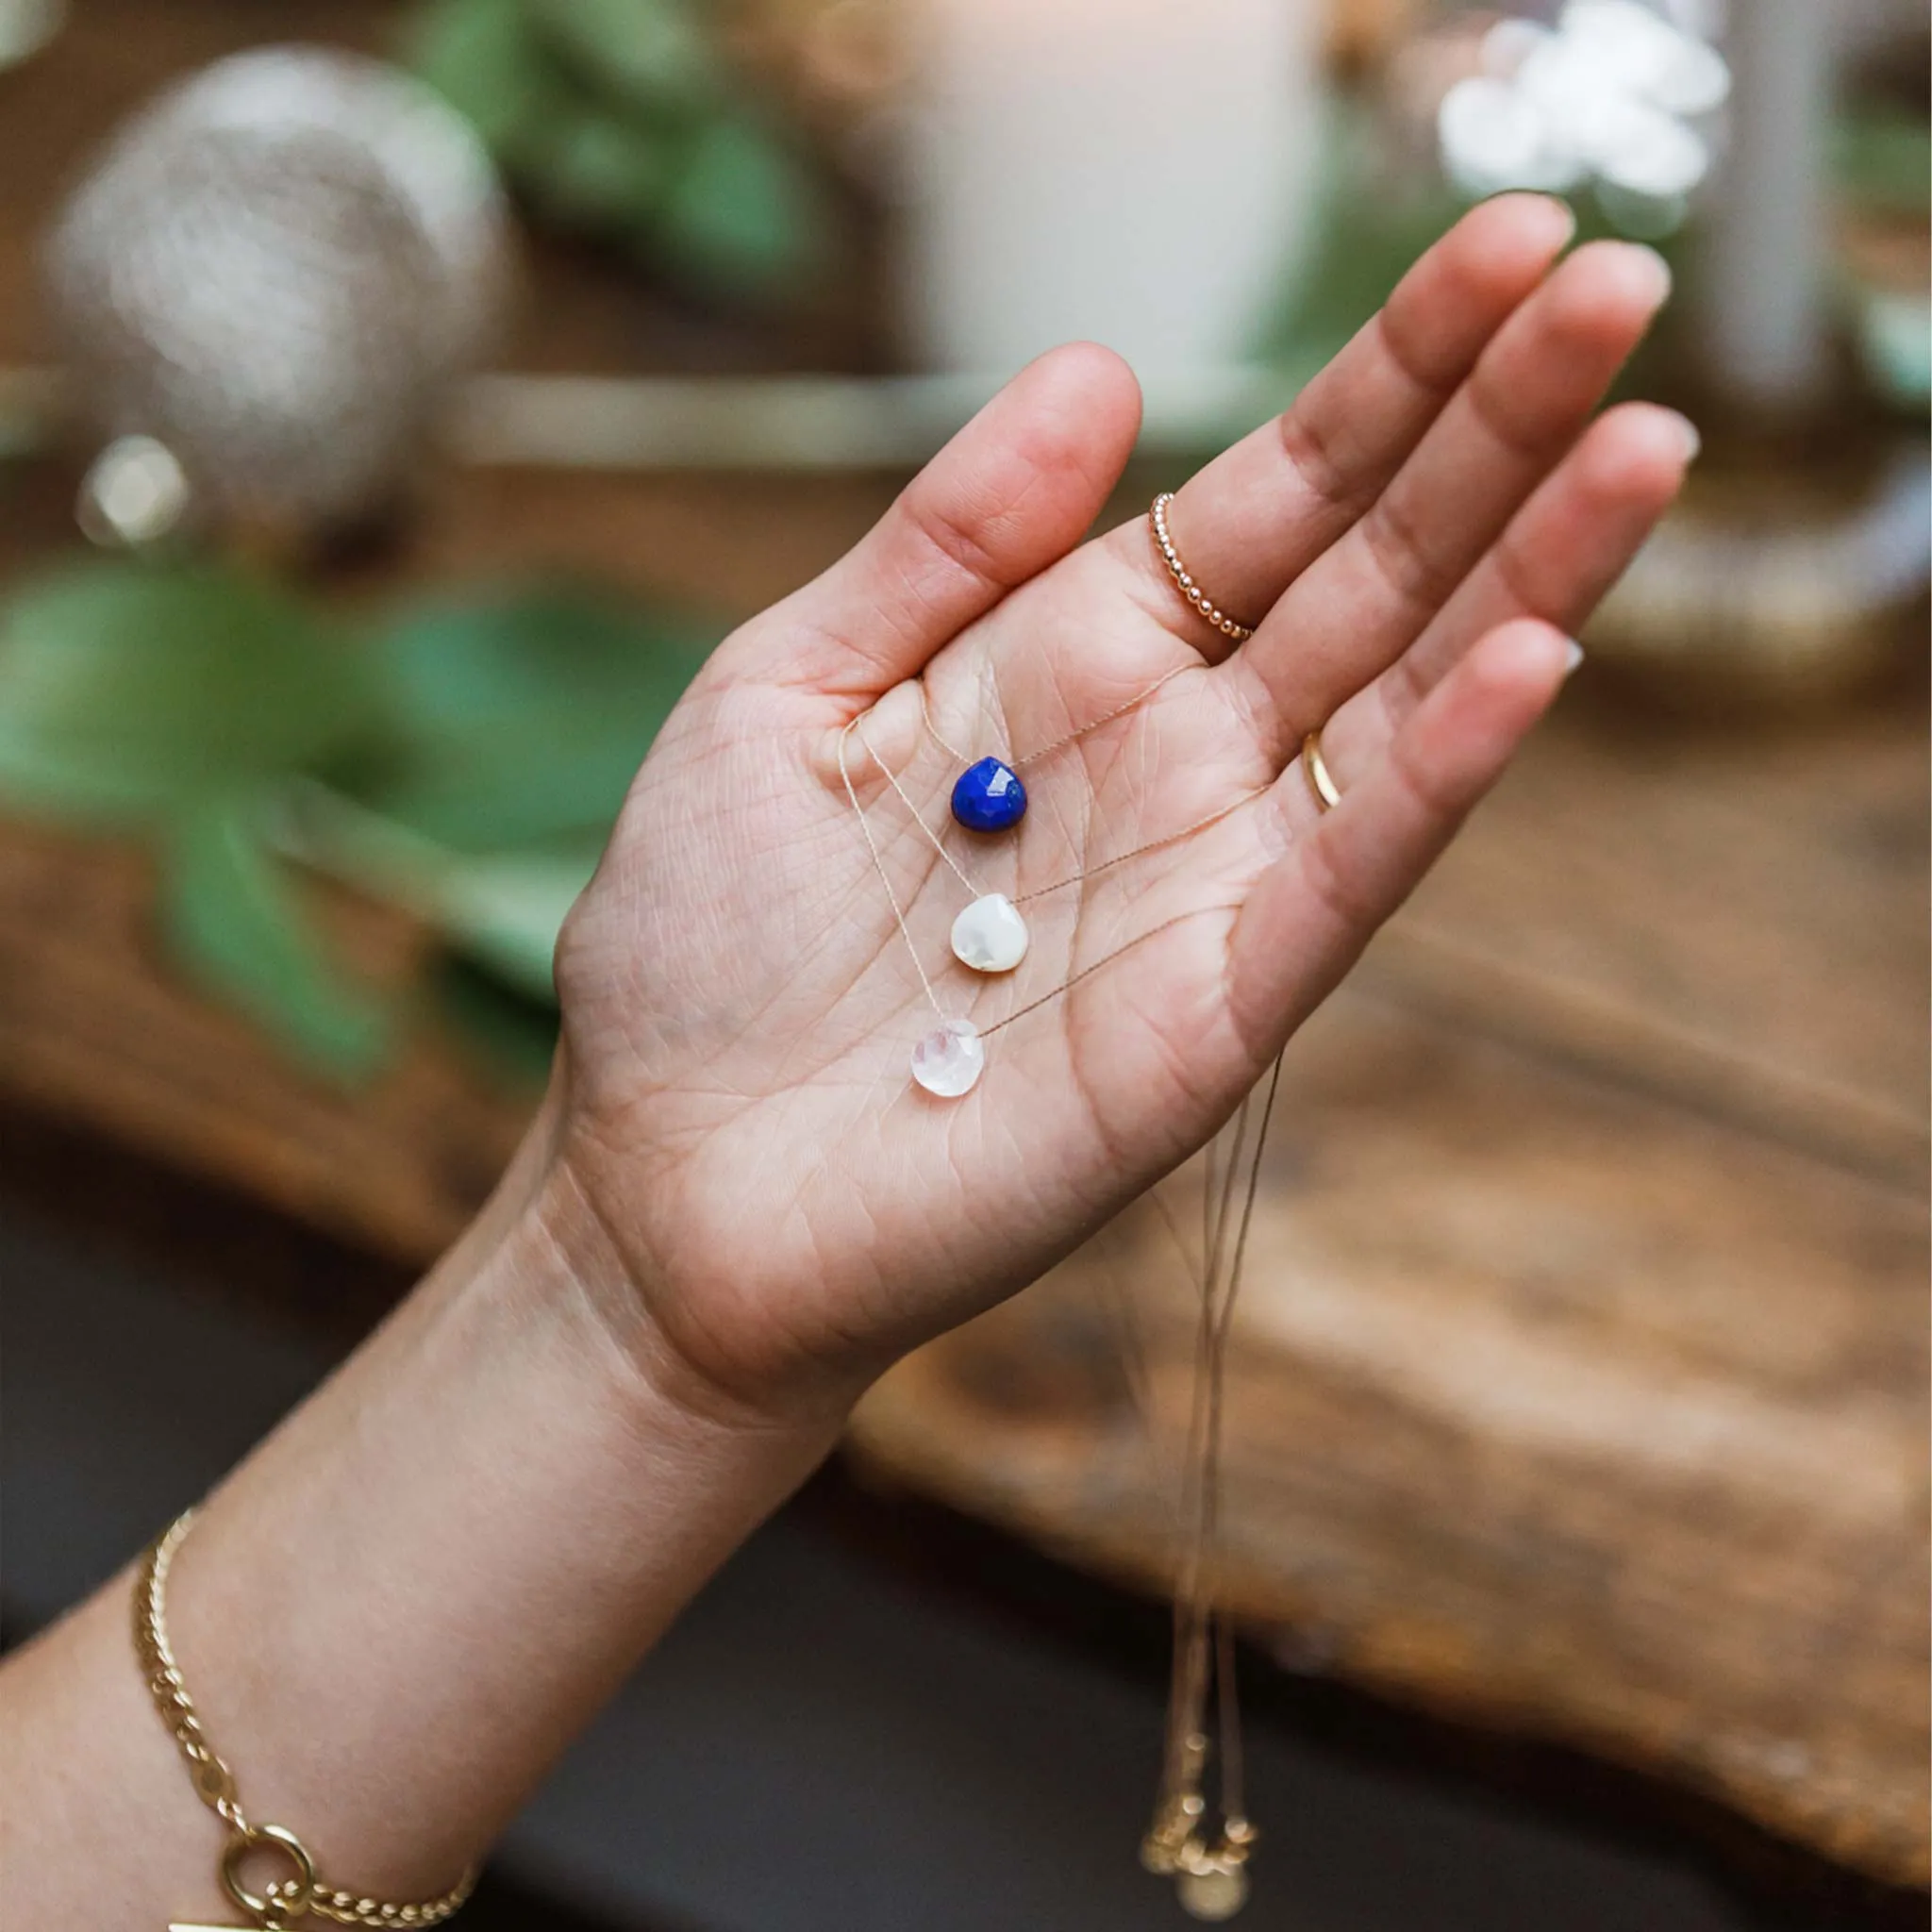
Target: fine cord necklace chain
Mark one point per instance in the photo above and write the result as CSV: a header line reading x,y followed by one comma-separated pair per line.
x,y
958,1026
1074,737
988,795
1076,878
1210,1873
1212,1878
948,1062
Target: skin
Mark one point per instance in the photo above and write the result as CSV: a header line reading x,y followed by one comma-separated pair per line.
x,y
735,1209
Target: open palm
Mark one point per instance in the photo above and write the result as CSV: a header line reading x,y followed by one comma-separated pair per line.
x,y
1413,543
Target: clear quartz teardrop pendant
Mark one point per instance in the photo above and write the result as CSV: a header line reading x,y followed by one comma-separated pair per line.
x,y
949,1060
989,936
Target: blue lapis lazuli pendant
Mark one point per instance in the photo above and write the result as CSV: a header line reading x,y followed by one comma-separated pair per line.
x,y
988,797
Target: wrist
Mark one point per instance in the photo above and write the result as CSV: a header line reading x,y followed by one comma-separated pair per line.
x,y
493,1507
659,1273
567,1252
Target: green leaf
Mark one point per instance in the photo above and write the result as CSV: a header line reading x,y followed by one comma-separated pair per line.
x,y
597,171
515,1036
1882,159
483,59
744,217
517,719
507,912
126,689
649,55
503,909
231,918
620,117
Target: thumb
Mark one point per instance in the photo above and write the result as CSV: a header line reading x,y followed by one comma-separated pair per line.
x,y
1012,493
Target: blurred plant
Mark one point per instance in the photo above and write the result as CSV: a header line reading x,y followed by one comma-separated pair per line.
x,y
624,118
1883,164
464,759
1393,185
1884,161
1377,212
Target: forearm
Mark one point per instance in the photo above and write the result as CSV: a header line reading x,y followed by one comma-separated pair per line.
x,y
401,1608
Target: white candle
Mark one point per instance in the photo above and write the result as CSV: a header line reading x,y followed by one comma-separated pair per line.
x,y
1763,294
1136,172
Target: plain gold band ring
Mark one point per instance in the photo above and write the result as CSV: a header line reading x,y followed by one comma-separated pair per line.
x,y
1183,581
1328,793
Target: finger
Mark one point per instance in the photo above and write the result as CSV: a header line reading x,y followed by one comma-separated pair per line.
x,y
1313,910
1556,561
1260,513
1358,606
1012,493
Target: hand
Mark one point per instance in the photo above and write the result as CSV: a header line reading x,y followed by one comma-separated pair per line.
x,y
1413,542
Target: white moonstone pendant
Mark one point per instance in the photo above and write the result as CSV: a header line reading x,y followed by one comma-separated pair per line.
x,y
989,936
949,1060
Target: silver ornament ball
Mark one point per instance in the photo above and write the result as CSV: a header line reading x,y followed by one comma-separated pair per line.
x,y
275,269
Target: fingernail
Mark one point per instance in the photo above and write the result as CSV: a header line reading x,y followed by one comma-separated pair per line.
x,y
1659,266
1693,442
1572,656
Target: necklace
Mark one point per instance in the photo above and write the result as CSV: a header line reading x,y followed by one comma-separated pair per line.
x,y
1211,1873
990,935
988,795
1210,1870
948,1061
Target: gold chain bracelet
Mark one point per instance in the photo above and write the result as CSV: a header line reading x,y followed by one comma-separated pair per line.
x,y
303,1891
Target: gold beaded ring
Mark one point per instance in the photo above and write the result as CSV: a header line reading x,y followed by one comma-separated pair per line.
x,y
1183,582
1328,793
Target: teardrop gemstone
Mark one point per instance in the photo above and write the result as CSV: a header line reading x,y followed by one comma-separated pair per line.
x,y
948,1061
989,936
988,797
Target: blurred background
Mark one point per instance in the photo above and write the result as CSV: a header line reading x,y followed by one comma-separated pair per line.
x,y
399,398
